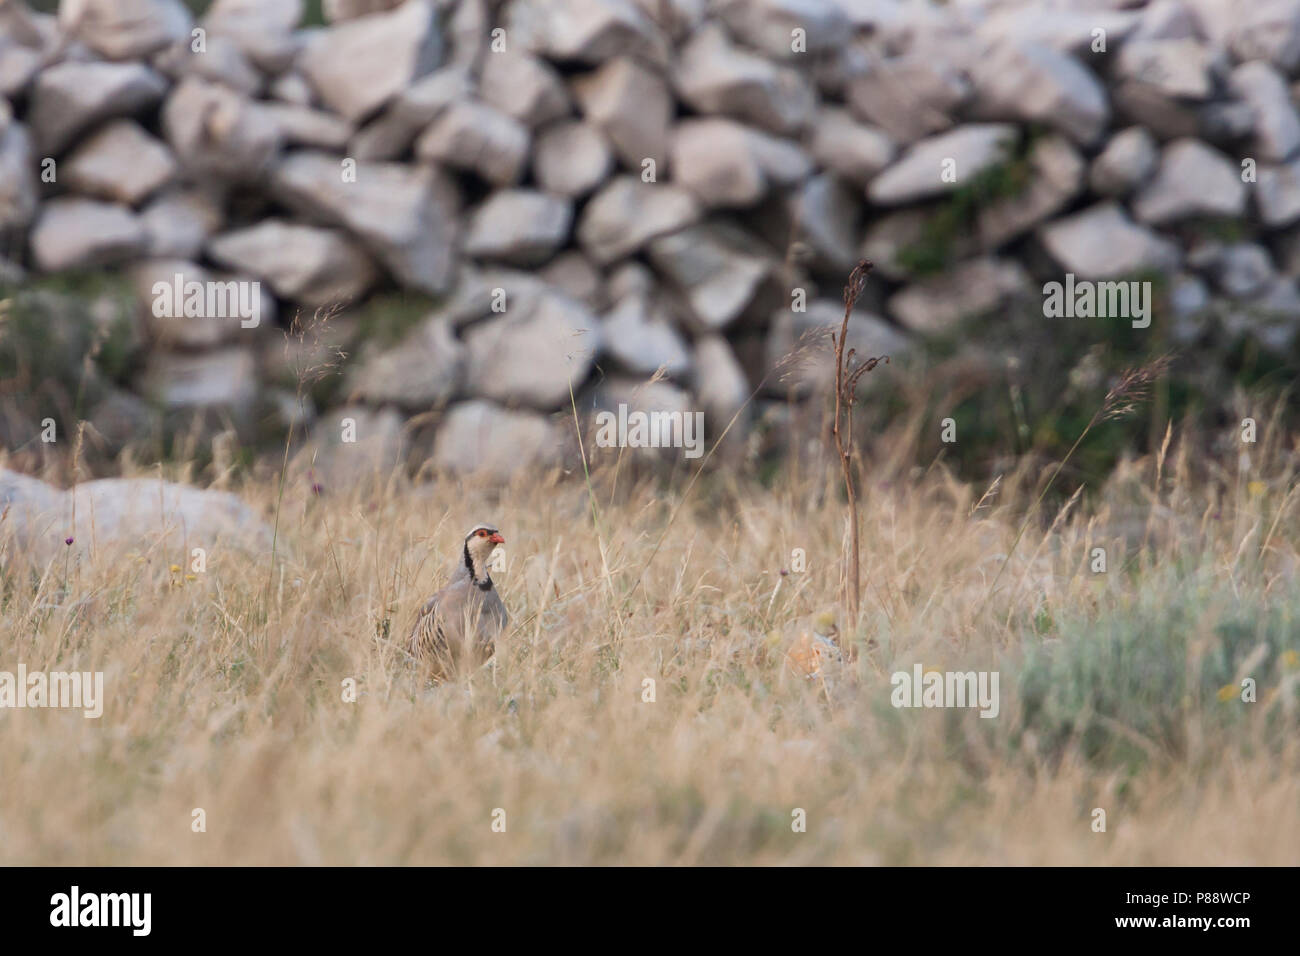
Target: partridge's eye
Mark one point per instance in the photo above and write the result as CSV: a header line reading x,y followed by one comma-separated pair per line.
x,y
481,533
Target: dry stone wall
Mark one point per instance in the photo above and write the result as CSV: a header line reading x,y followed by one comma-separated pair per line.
x,y
589,191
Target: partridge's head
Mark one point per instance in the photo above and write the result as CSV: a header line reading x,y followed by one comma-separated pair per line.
x,y
481,542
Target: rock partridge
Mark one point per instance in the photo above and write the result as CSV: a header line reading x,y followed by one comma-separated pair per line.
x,y
462,621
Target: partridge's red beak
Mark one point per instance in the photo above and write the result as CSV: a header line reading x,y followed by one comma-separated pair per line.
x,y
497,539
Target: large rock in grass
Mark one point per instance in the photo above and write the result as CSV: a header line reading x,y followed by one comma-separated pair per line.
x,y
404,214
145,514
33,511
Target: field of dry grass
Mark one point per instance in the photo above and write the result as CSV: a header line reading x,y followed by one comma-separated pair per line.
x,y
1118,691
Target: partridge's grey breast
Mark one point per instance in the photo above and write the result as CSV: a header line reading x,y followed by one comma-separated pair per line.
x,y
440,629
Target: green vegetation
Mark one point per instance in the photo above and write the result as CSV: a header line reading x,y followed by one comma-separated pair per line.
x,y
65,341
937,248
387,317
1130,687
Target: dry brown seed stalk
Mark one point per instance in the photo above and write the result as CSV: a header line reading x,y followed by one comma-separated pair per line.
x,y
847,375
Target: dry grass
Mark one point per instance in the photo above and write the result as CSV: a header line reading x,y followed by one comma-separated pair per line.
x,y
225,694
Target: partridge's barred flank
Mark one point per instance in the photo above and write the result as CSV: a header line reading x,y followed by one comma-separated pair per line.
x,y
462,621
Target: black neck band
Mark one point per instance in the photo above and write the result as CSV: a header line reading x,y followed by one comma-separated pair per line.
x,y
484,583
